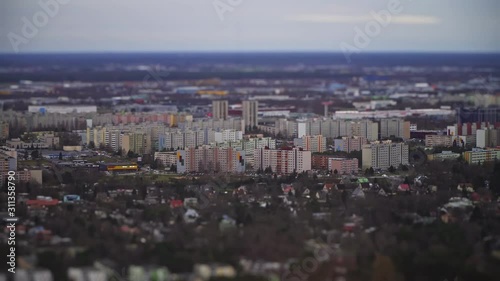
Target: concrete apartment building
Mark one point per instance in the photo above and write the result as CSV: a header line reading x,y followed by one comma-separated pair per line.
x,y
220,109
320,162
363,128
382,155
326,127
97,135
251,144
7,163
250,111
248,145
438,140
166,158
344,166
478,156
487,137
139,143
226,135
283,161
209,159
159,136
180,139
394,127
30,176
4,130
466,129
349,144
214,124
312,143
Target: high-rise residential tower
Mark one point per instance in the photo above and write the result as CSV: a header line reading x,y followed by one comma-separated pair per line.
x,y
220,109
250,113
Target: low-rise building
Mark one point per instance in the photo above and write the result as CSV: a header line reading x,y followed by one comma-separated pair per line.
x,y
438,140
166,158
445,155
478,156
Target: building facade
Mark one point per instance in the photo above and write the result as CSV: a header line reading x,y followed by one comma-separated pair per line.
x,y
4,130
220,109
208,159
250,113
487,137
166,158
349,144
320,162
394,127
329,128
479,156
283,161
312,143
343,166
438,140
382,155
7,163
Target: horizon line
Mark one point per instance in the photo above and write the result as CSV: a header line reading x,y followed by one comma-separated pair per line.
x,y
251,51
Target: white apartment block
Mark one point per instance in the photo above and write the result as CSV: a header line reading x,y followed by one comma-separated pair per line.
x,y
249,146
216,125
226,135
180,139
326,127
488,137
349,144
382,155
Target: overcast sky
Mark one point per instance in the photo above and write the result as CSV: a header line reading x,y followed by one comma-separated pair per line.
x,y
252,25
